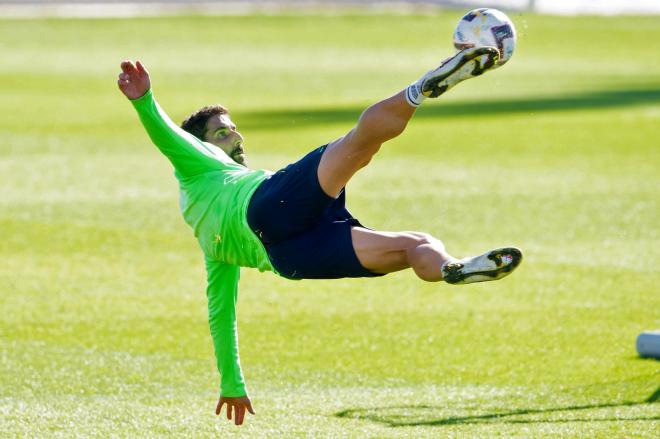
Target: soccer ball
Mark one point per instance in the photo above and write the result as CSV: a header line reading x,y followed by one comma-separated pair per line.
x,y
486,27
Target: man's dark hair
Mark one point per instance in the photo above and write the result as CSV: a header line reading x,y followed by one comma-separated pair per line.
x,y
196,122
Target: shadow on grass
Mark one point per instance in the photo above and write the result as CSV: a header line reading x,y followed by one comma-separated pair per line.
x,y
386,416
305,117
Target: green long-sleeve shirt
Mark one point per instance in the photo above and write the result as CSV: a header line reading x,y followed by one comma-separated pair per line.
x,y
214,196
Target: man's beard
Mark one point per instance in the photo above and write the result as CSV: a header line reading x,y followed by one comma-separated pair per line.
x,y
238,155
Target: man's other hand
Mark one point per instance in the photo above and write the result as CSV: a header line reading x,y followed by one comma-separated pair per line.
x,y
237,406
133,80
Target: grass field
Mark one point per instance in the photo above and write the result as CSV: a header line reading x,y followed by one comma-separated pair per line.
x,y
103,326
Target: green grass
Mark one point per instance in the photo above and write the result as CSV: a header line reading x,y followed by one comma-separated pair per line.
x,y
102,309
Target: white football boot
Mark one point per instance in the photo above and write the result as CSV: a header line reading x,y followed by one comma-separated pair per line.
x,y
466,64
492,265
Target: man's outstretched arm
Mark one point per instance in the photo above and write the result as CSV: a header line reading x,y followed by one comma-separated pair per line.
x,y
222,293
189,155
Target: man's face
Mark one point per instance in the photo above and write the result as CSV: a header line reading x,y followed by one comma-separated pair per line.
x,y
221,132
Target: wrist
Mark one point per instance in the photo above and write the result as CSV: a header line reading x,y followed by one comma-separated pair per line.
x,y
141,96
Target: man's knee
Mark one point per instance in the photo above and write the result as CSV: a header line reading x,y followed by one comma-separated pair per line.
x,y
425,255
421,238
411,243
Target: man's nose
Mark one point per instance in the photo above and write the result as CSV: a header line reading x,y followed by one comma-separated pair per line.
x,y
237,137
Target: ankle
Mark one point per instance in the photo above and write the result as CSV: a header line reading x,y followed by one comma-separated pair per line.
x,y
413,93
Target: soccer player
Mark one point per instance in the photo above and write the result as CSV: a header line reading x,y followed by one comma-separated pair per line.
x,y
294,221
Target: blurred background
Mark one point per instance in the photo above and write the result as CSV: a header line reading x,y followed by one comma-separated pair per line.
x,y
123,7
103,329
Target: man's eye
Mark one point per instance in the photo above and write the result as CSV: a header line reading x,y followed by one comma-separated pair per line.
x,y
223,133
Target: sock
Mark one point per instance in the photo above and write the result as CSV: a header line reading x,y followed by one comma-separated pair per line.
x,y
414,94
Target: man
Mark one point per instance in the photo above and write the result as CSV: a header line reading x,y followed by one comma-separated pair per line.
x,y
294,222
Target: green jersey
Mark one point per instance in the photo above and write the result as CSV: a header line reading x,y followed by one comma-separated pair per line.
x,y
214,195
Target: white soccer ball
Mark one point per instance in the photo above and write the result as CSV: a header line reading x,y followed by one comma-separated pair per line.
x,y
486,27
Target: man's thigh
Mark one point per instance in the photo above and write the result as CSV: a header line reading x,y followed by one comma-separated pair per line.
x,y
341,160
384,252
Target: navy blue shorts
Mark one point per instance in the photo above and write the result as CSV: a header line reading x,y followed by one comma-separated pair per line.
x,y
306,232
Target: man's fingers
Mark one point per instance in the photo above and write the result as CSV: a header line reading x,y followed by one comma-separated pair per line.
x,y
140,68
128,67
124,76
236,408
239,415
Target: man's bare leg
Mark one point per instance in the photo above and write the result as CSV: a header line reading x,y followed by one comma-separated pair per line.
x,y
377,124
387,119
386,252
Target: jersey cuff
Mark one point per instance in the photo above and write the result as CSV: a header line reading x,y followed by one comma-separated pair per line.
x,y
142,99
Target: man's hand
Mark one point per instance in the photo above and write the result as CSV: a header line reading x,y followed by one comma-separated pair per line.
x,y
133,80
237,405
